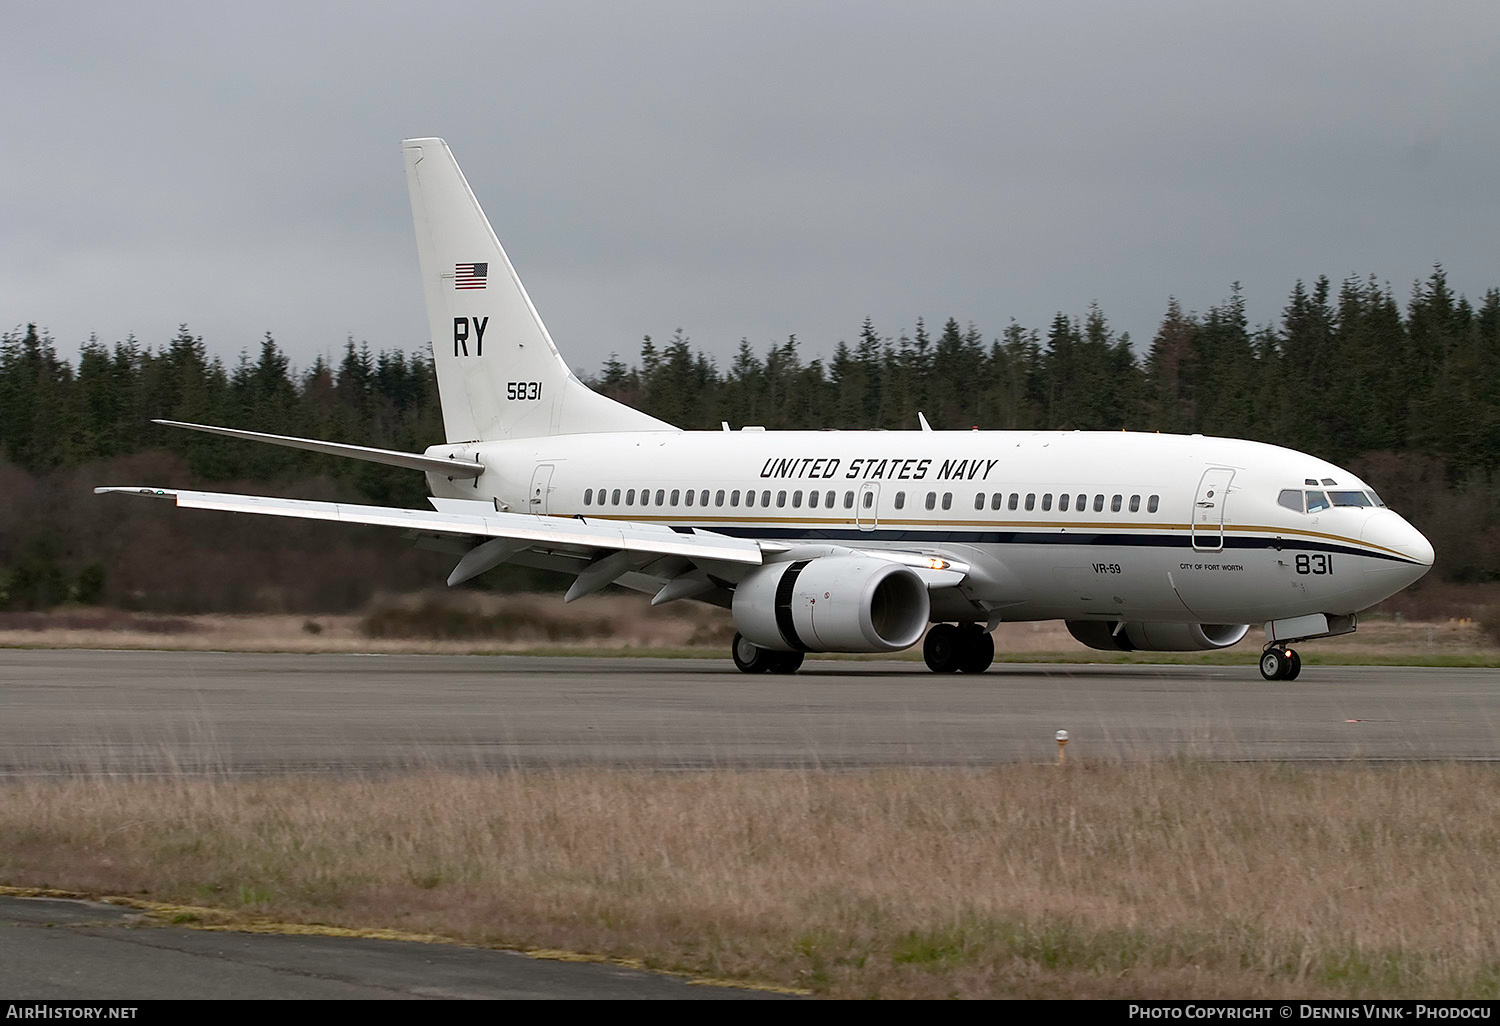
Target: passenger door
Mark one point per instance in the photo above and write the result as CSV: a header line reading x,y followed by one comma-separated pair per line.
x,y
1209,508
541,488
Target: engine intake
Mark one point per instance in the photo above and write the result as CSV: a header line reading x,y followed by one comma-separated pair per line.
x,y
1109,636
832,604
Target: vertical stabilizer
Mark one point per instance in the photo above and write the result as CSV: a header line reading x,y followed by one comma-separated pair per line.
x,y
499,375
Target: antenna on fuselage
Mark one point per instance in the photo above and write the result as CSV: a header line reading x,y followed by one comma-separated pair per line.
x,y
922,420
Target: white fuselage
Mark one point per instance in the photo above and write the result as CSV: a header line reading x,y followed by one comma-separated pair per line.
x,y
1171,527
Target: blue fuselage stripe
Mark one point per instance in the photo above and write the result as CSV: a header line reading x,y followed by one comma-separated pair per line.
x,y
970,536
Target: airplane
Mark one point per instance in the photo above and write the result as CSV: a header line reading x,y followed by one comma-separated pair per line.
x,y
850,541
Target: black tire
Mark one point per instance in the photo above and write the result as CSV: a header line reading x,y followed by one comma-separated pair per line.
x,y
978,649
1294,665
1273,664
785,662
748,656
943,648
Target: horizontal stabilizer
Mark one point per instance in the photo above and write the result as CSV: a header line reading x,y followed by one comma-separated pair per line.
x,y
464,468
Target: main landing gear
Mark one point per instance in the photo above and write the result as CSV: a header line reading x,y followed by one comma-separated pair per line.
x,y
751,658
1280,663
951,646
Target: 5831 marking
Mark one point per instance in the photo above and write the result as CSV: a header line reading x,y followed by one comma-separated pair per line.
x,y
523,390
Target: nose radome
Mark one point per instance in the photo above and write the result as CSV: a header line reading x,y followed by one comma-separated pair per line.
x,y
1391,531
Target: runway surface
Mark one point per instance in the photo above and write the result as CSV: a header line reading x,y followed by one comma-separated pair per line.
x,y
165,712
77,950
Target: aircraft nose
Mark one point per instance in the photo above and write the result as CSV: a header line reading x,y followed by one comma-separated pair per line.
x,y
1390,531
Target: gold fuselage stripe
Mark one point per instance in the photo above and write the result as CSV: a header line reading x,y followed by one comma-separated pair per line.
x,y
991,524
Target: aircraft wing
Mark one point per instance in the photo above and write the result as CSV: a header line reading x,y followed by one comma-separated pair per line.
x,y
598,551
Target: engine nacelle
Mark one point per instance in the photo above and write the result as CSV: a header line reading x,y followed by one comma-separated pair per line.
x,y
1108,636
832,604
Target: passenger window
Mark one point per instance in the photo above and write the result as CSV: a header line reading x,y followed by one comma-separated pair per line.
x,y
997,500
661,496
675,494
947,500
1015,500
848,500
1098,504
932,500
1152,503
900,500
1030,501
1114,504
719,497
781,499
1062,502
687,500
869,499
1046,502
812,499
734,497
979,501
1317,501
750,498
1082,504
765,497
797,499
616,497
828,498
588,496
1135,504
703,497
1291,498
630,497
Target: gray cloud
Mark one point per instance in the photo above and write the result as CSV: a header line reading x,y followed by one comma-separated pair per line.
x,y
736,169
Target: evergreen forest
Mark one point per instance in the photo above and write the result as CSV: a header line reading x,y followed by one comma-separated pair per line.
x,y
1404,391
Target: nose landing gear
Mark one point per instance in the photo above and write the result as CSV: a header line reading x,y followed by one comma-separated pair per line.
x,y
1278,663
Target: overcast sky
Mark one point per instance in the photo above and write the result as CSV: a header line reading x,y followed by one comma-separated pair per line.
x,y
736,169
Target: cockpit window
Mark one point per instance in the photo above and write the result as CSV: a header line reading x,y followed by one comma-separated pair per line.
x,y
1374,498
1291,498
1350,499
1317,501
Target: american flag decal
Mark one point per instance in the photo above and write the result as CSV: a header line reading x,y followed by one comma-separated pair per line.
x,y
470,276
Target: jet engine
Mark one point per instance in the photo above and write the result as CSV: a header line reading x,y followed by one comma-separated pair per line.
x,y
832,604
1112,636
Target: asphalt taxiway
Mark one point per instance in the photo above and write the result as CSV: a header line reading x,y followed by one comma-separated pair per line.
x,y
151,712
78,950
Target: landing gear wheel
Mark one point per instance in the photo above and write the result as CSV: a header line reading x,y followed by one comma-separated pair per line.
x,y
943,648
750,657
1280,664
978,649
785,662
1274,664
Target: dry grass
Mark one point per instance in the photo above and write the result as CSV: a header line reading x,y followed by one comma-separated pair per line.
x,y
1155,880
476,622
